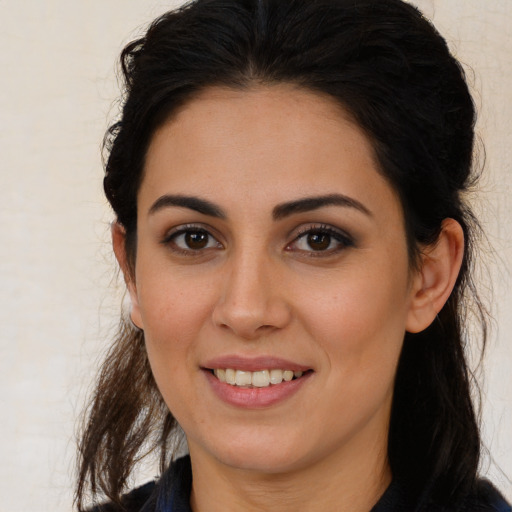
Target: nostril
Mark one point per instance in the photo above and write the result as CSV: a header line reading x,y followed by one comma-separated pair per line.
x,y
266,328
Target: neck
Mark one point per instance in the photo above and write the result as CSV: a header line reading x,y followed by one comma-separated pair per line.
x,y
349,481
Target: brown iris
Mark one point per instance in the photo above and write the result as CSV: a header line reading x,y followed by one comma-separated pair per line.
x,y
196,239
319,241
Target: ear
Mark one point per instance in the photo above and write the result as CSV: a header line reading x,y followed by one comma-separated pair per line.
x,y
119,246
434,281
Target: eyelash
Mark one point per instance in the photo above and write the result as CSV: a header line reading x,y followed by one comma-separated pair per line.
x,y
343,240
170,239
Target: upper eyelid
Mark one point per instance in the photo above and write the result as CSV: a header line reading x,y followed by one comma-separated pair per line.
x,y
343,240
183,228
327,228
169,239
292,235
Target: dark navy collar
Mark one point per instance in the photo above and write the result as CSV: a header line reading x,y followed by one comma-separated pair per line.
x,y
175,493
172,494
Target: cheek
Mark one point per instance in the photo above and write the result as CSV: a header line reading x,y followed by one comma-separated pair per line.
x,y
359,320
174,308
173,302
173,312
356,306
360,331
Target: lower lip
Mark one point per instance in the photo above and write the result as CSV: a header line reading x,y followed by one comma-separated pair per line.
x,y
255,398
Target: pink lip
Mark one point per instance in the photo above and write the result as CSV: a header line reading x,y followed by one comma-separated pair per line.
x,y
254,364
254,398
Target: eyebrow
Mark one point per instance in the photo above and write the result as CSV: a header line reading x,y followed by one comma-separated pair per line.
x,y
280,211
191,202
314,203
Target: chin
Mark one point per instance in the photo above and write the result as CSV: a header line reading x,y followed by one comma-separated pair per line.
x,y
256,462
270,455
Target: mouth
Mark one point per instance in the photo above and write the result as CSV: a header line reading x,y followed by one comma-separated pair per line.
x,y
256,379
255,382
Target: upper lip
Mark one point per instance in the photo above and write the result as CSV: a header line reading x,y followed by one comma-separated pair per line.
x,y
254,364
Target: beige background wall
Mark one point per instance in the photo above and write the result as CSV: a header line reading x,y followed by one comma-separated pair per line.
x,y
57,300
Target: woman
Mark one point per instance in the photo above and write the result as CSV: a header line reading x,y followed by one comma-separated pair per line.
x,y
287,178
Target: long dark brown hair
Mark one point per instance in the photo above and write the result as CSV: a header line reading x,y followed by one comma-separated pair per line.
x,y
392,71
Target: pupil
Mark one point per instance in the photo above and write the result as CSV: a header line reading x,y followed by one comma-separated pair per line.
x,y
196,239
319,242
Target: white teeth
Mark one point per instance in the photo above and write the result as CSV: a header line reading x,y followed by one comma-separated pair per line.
x,y
287,375
243,378
276,376
230,377
259,379
220,374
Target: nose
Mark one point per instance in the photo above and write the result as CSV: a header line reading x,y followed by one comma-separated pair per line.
x,y
252,302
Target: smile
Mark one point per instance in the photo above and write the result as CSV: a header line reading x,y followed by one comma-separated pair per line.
x,y
257,379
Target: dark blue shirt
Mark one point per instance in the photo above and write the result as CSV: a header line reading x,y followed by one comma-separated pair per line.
x,y
172,494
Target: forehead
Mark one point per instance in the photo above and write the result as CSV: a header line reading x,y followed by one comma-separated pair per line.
x,y
262,143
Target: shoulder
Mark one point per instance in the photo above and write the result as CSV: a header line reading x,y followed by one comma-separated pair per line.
x,y
132,501
483,498
486,498
170,493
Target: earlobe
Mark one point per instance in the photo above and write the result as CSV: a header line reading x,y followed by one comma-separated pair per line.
x,y
119,246
434,282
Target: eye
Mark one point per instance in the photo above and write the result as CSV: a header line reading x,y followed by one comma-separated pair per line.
x,y
191,239
322,240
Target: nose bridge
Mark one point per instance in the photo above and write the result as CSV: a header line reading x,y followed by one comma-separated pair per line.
x,y
250,302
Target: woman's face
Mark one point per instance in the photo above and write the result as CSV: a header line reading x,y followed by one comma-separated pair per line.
x,y
268,243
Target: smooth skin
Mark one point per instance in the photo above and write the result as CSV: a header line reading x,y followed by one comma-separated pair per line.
x,y
327,284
